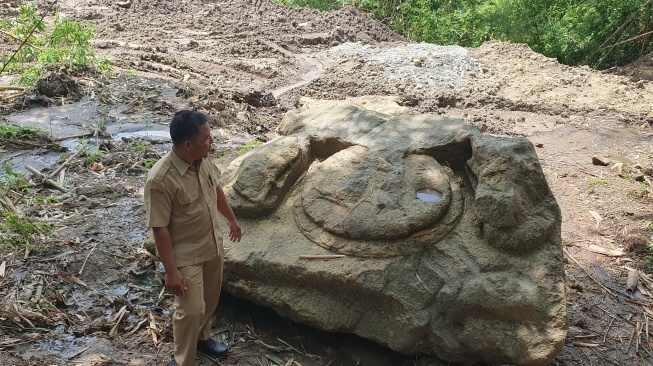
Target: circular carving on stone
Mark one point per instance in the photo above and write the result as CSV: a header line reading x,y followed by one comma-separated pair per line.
x,y
369,203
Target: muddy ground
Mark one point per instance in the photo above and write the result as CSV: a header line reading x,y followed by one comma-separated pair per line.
x,y
87,293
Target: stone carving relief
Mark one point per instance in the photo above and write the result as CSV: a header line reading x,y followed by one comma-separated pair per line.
x,y
451,237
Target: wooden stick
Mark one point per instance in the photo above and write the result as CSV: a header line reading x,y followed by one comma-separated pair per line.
x,y
606,332
615,316
61,138
79,352
17,310
321,256
639,337
56,171
585,336
39,292
633,39
626,23
6,202
638,302
88,255
121,313
646,319
11,97
631,339
590,276
137,326
8,87
18,39
583,344
49,182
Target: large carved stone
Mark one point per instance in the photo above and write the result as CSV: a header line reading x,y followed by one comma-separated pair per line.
x,y
452,237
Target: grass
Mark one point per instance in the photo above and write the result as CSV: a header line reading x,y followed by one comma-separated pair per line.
x,y
251,145
22,133
594,182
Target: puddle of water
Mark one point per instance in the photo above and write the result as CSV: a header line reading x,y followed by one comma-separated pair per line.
x,y
82,117
37,159
83,299
153,136
427,196
59,121
63,346
121,290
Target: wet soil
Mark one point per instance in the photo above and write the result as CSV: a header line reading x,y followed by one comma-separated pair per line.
x,y
88,293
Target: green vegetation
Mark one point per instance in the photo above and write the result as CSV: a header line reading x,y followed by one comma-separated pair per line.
x,y
599,33
594,182
141,144
65,42
9,133
149,163
11,180
15,232
47,200
93,153
251,145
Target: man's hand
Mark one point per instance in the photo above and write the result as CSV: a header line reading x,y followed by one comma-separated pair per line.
x,y
235,232
175,282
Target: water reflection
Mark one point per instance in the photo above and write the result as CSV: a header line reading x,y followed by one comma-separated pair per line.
x,y
428,196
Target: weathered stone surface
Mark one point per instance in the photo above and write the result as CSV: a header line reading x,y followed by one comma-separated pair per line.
x,y
452,237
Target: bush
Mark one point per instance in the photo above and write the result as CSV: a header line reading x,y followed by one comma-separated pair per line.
x,y
64,43
592,32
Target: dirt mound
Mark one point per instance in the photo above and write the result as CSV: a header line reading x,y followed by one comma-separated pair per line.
x,y
641,69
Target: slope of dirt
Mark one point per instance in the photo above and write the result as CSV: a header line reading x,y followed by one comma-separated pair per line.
x,y
87,293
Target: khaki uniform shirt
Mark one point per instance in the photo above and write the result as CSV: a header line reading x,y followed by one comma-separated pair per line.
x,y
183,198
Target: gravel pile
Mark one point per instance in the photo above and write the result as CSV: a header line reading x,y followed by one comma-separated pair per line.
x,y
413,66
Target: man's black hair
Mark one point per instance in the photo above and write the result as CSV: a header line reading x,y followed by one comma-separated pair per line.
x,y
185,126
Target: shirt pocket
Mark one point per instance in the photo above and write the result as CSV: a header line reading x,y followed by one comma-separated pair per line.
x,y
189,203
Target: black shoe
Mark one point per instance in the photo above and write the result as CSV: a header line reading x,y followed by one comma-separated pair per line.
x,y
174,363
212,348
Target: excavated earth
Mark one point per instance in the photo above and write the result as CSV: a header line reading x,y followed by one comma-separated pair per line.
x,y
88,293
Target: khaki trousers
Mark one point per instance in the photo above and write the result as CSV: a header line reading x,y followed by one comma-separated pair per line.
x,y
194,311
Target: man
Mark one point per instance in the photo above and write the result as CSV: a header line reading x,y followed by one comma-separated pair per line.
x,y
182,200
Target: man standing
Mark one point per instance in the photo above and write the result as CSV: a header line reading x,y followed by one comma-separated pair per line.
x,y
182,201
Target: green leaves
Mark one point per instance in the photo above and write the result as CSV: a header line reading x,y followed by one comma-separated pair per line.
x,y
574,32
16,231
64,43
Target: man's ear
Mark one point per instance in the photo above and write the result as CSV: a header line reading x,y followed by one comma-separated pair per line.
x,y
187,144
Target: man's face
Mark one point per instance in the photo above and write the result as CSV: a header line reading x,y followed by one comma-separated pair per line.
x,y
200,149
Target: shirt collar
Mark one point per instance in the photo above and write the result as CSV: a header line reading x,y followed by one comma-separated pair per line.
x,y
181,165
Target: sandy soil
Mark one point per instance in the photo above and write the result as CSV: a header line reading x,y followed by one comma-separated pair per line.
x,y
246,65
